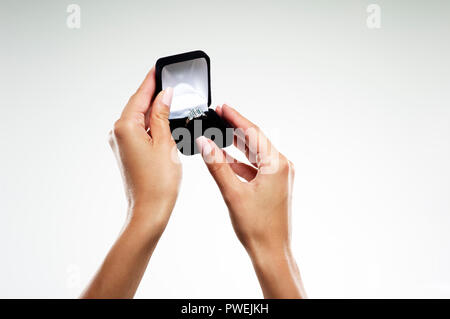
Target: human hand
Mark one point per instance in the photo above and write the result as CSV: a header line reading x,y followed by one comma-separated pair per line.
x,y
259,208
148,160
147,155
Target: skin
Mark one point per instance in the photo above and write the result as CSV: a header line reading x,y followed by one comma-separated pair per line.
x,y
259,206
151,173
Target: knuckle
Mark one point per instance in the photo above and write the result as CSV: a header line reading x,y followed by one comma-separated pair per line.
x,y
136,99
120,128
215,168
162,116
284,165
160,110
133,98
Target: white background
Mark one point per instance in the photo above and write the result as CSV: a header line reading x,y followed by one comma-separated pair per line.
x,y
364,115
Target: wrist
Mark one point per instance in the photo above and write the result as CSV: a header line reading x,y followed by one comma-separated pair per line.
x,y
266,256
148,221
277,272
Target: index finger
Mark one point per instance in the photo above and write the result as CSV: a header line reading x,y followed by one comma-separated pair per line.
x,y
247,132
140,101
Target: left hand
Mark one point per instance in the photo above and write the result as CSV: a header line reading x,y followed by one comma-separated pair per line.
x,y
151,171
147,156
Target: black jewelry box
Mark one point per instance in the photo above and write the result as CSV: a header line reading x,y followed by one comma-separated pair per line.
x,y
189,74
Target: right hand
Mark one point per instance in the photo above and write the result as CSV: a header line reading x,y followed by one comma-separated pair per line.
x,y
260,208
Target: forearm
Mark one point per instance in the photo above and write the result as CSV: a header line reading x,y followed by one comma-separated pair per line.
x,y
123,268
277,273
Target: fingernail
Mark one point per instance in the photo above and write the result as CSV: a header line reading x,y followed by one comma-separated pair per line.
x,y
167,96
203,146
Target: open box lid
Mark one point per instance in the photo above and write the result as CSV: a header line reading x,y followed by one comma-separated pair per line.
x,y
189,76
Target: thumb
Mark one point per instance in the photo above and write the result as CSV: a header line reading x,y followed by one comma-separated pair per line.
x,y
217,165
159,116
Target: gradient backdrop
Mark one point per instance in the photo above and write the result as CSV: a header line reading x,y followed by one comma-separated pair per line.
x,y
363,113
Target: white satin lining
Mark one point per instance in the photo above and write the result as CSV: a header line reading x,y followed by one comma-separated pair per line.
x,y
189,80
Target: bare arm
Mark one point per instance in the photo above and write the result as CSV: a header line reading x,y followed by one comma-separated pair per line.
x,y
151,173
259,206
